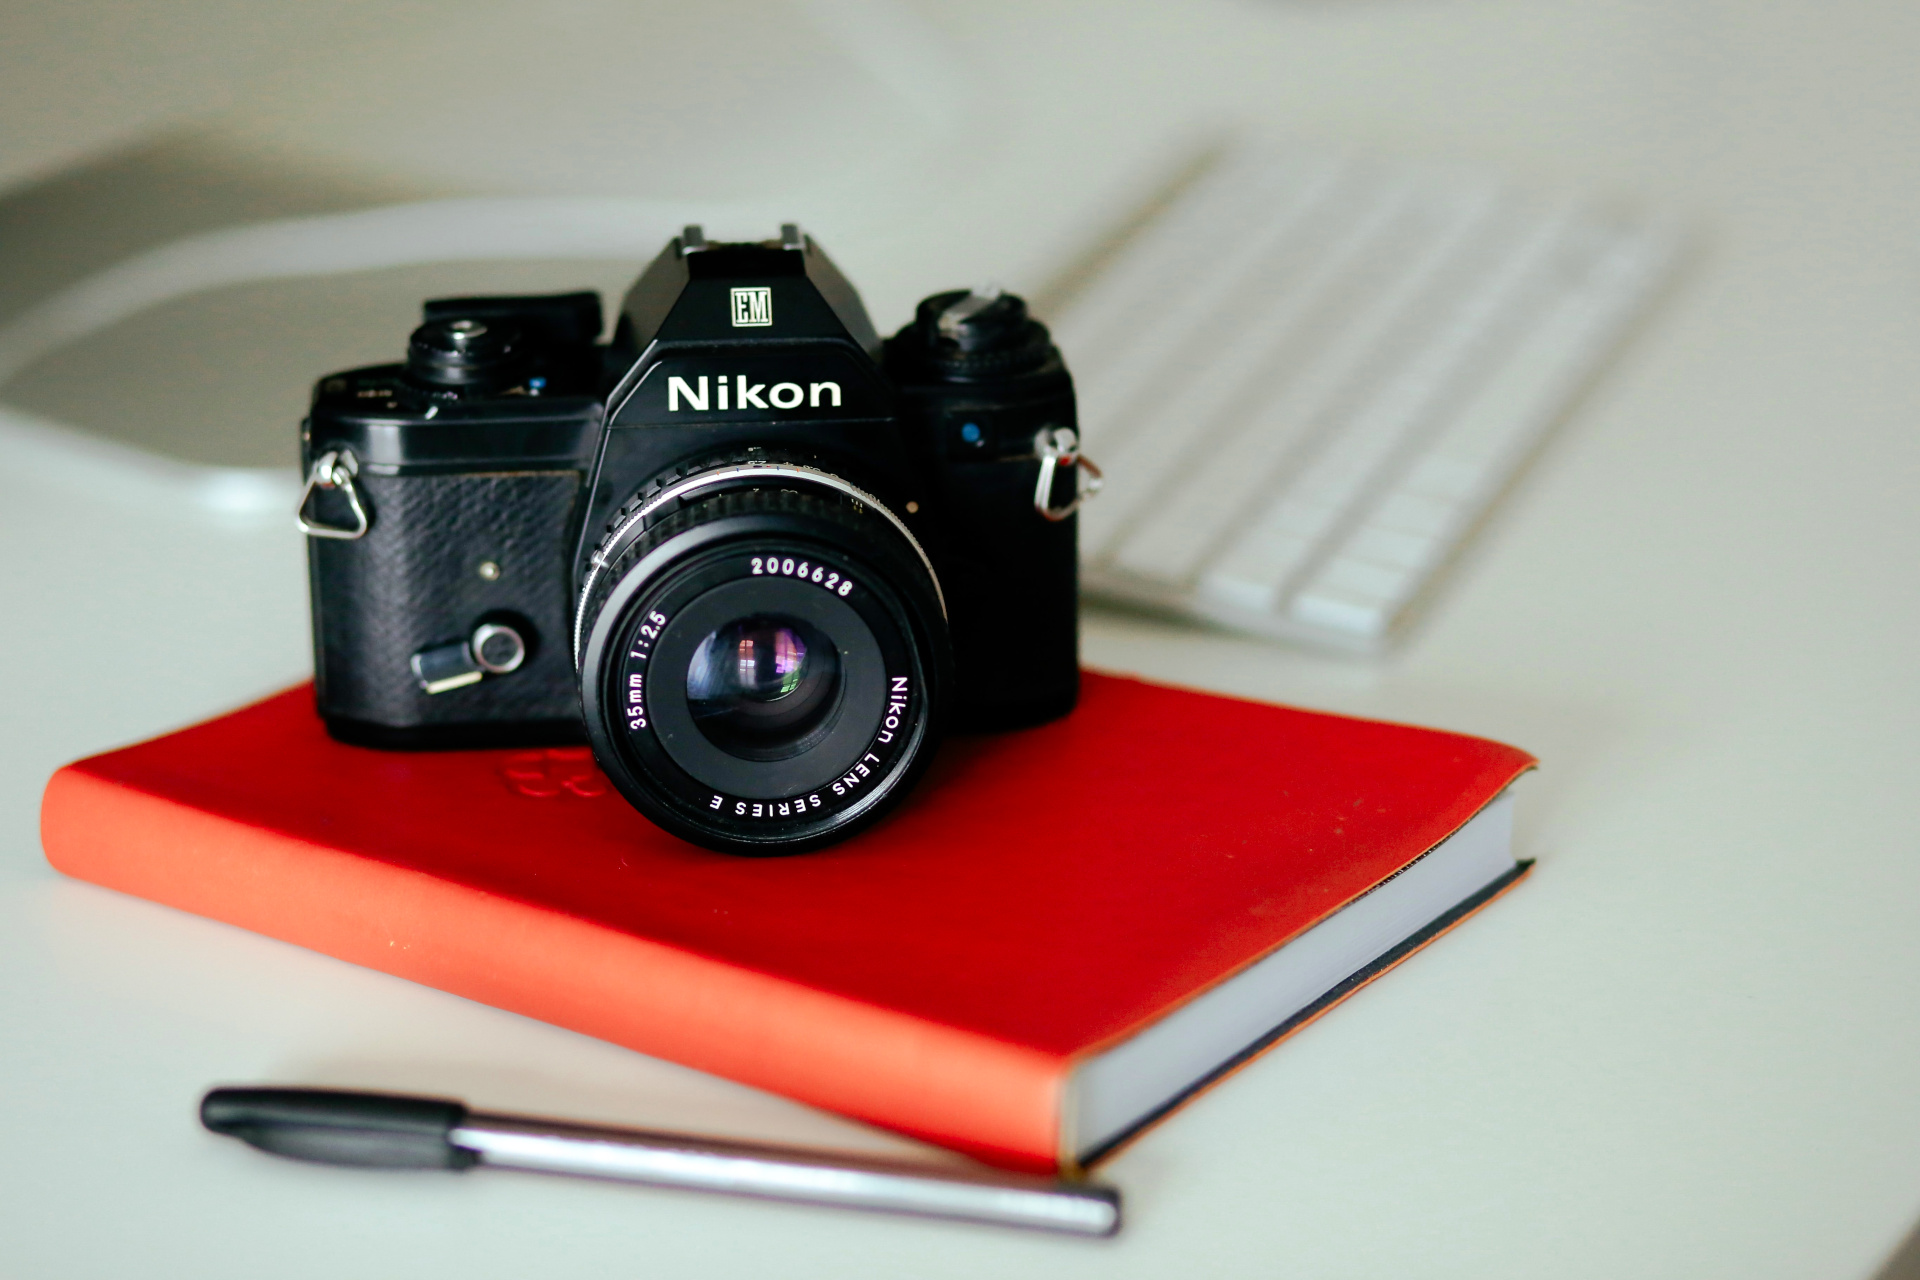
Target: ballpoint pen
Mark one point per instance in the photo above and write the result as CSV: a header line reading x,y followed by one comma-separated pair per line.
x,y
398,1131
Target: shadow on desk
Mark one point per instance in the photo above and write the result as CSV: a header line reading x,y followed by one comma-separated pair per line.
x,y
1905,1263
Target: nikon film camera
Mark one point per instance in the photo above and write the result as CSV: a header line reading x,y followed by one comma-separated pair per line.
x,y
759,559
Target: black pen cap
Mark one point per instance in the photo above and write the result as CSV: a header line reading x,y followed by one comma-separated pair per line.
x,y
334,1126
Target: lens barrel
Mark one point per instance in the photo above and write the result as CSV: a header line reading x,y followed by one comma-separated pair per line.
x,y
762,670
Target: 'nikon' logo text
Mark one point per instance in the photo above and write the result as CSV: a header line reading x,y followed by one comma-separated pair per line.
x,y
738,393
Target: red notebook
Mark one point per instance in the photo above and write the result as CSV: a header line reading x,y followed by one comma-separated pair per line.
x,y
1062,934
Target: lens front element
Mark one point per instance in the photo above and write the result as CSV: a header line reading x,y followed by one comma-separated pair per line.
x,y
768,687
760,686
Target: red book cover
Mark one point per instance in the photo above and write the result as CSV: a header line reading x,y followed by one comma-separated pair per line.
x,y
1043,896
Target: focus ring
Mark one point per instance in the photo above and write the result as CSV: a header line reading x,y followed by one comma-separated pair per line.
x,y
749,502
754,474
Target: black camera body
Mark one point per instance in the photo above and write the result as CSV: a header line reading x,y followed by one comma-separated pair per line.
x,y
757,558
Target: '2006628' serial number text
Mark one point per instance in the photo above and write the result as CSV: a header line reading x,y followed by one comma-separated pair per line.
x,y
788,567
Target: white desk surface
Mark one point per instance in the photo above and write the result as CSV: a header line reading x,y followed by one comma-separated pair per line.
x,y
1686,1048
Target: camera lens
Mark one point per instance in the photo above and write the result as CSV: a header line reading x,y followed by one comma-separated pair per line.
x,y
761,685
763,656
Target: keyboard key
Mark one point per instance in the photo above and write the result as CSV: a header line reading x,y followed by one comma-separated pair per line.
x,y
1349,615
1307,379
1337,478
1415,246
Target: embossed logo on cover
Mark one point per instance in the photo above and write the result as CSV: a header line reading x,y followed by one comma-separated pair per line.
x,y
553,772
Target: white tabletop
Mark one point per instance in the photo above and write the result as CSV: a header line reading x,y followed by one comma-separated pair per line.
x,y
1686,1047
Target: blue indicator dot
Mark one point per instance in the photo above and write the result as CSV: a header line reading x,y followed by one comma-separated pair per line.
x,y
970,433
536,384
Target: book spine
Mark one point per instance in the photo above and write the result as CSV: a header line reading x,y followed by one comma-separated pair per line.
x,y
998,1102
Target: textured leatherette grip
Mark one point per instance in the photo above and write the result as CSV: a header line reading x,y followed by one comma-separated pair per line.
x,y
414,580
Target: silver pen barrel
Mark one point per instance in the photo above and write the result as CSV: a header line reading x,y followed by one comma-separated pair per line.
x,y
674,1160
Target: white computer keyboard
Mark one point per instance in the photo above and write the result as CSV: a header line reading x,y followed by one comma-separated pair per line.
x,y
1308,378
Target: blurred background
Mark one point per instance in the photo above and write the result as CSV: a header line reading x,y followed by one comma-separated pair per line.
x,y
1685,1050
924,142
